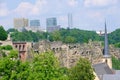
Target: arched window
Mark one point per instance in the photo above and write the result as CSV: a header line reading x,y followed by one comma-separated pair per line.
x,y
15,46
19,47
23,47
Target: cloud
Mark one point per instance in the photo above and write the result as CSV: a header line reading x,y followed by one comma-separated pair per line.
x,y
99,3
114,10
3,9
72,2
24,8
38,7
95,14
63,19
27,8
6,23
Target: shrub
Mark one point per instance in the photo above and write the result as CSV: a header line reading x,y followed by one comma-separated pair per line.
x,y
7,47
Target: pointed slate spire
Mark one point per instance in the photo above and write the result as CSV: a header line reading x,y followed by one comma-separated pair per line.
x,y
106,47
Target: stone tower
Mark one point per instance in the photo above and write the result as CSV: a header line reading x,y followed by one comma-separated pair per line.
x,y
106,54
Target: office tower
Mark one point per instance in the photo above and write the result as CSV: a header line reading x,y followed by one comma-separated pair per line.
x,y
34,23
52,24
20,23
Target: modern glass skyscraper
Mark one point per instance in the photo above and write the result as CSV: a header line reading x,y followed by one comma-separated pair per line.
x,y
51,22
35,23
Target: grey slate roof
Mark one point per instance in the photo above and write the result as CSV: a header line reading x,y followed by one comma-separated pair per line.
x,y
117,72
102,68
111,77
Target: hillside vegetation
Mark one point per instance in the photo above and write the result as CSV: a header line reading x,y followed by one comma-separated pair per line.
x,y
64,35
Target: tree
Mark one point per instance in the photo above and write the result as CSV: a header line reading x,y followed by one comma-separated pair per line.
x,y
55,36
82,71
115,63
13,69
117,45
11,30
3,34
70,39
7,47
46,67
114,36
64,35
13,54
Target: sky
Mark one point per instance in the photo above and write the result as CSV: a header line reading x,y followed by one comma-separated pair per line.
x,y
87,14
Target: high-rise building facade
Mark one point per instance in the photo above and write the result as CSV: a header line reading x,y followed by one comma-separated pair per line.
x,y
35,23
20,23
54,28
51,24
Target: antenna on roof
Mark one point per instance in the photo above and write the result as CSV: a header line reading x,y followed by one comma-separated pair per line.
x,y
70,22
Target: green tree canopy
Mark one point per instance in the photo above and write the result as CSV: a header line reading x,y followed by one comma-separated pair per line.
x,y
55,36
46,67
117,45
70,39
11,30
7,47
82,71
114,36
3,34
115,63
64,35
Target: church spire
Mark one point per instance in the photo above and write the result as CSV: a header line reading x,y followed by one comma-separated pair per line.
x,y
106,47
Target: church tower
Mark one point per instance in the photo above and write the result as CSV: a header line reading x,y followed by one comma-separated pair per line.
x,y
106,54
